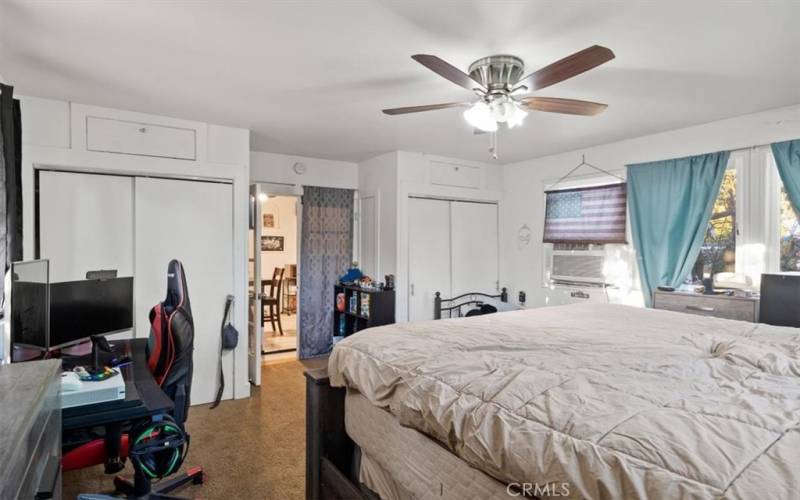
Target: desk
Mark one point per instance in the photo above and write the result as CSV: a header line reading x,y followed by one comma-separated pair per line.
x,y
143,396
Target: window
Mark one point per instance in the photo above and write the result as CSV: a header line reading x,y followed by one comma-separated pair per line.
x,y
790,234
718,253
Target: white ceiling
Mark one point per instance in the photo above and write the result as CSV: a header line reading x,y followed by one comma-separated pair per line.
x,y
310,77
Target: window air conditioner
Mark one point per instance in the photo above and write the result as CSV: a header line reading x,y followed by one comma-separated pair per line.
x,y
578,267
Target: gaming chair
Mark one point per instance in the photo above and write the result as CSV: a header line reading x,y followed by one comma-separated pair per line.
x,y
157,446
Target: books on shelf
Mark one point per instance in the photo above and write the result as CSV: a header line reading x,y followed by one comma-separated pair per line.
x,y
354,303
365,297
342,325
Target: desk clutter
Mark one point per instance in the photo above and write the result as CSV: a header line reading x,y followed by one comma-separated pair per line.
x,y
127,400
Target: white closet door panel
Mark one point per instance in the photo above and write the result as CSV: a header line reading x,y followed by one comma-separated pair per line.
x,y
474,243
369,255
428,255
191,222
85,223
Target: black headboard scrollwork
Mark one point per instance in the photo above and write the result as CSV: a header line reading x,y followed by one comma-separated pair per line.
x,y
457,307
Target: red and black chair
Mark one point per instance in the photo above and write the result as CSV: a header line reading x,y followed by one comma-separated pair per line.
x,y
156,446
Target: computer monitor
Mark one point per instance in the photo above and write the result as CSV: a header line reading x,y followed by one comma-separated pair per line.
x,y
29,303
79,309
780,299
49,315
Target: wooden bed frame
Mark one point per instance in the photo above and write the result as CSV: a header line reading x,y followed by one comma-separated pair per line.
x,y
332,459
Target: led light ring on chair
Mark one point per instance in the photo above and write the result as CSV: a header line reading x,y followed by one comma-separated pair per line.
x,y
158,447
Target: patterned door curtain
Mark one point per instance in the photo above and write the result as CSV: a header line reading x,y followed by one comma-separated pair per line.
x,y
326,252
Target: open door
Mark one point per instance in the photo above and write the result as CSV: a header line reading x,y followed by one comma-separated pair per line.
x,y
255,331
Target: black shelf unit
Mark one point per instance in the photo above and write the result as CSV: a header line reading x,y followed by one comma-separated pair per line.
x,y
380,310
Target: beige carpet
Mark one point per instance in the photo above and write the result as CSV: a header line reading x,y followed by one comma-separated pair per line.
x,y
252,448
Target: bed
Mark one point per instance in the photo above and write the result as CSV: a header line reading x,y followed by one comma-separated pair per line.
x,y
578,401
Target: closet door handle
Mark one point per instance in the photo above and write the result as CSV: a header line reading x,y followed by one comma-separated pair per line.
x,y
412,289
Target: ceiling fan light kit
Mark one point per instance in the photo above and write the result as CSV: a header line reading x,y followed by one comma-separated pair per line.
x,y
498,80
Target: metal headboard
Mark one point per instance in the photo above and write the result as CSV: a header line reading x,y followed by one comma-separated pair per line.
x,y
453,305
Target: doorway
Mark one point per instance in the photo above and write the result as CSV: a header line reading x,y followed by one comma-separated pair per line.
x,y
278,252
273,275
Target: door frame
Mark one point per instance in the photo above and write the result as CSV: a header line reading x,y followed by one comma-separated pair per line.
x,y
272,189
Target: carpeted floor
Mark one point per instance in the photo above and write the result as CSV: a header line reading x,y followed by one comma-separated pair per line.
x,y
252,448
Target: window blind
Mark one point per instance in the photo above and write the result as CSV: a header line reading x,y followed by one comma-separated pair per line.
x,y
595,215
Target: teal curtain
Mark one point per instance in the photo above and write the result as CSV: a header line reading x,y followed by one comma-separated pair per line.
x,y
787,158
670,204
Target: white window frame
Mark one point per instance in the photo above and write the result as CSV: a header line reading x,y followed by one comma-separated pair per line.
x,y
757,213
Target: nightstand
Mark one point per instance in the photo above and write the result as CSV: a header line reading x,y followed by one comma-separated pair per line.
x,y
719,306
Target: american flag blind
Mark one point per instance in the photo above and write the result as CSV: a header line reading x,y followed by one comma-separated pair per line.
x,y
594,215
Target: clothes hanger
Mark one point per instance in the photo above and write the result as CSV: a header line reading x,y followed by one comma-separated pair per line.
x,y
581,164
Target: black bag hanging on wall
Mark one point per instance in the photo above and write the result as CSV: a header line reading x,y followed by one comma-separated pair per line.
x,y
228,341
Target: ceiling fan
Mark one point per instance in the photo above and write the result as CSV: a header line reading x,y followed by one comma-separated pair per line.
x,y
498,82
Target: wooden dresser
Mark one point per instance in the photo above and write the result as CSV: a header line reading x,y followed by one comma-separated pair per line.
x,y
719,306
30,430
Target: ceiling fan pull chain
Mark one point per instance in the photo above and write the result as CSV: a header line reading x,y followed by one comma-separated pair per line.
x,y
493,145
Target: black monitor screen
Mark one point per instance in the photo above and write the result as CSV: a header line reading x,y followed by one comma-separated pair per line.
x,y
29,313
28,297
89,307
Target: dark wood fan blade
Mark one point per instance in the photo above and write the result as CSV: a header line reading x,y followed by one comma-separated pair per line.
x,y
447,70
566,106
429,107
568,67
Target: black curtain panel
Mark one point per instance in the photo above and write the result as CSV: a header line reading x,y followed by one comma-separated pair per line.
x,y
10,179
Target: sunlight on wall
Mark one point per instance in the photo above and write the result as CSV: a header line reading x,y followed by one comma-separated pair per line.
x,y
753,261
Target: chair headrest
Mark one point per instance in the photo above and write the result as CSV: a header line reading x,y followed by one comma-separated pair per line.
x,y
177,291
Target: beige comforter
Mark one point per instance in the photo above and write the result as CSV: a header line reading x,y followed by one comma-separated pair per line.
x,y
611,401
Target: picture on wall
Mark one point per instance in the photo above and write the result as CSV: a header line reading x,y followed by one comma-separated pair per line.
x,y
272,243
270,218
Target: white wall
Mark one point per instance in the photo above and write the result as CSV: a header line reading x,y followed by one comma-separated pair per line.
x,y
283,207
54,136
524,181
278,169
377,177
395,176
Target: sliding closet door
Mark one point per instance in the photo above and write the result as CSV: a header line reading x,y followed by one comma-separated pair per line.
x,y
85,223
191,222
428,255
474,247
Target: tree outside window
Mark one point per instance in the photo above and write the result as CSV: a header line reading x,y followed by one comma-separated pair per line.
x,y
718,253
790,235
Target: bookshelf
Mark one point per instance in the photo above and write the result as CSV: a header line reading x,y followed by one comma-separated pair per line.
x,y
363,308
